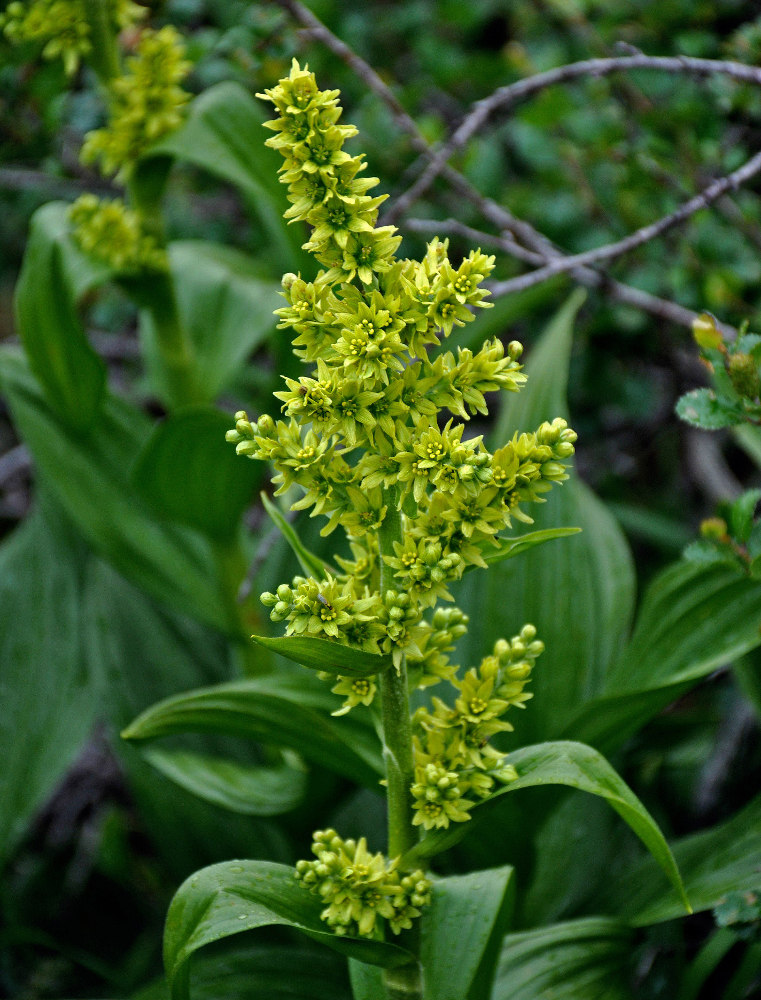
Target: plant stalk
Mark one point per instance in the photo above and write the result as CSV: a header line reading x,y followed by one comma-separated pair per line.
x,y
104,57
403,983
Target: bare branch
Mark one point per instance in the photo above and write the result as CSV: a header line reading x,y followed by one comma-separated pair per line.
x,y
507,97
643,235
537,248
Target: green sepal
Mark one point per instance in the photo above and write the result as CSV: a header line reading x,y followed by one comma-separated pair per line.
x,y
322,654
235,896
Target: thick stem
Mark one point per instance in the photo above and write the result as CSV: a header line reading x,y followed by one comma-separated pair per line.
x,y
104,57
404,983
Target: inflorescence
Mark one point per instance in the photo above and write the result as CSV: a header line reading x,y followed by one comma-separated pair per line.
x,y
362,440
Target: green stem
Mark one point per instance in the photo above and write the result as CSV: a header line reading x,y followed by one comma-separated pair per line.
x,y
104,57
404,983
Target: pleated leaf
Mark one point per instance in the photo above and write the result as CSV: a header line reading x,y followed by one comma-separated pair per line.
x,y
322,654
281,711
576,766
235,896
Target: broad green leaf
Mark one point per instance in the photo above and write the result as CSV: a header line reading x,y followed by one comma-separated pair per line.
x,y
694,618
236,896
322,654
585,959
577,766
139,652
749,438
188,473
71,373
510,547
461,933
701,408
48,701
311,564
713,863
579,591
252,791
223,134
89,477
226,308
265,972
282,711
366,981
741,513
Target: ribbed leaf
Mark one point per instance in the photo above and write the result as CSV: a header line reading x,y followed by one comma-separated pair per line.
x,y
53,275
694,618
714,863
510,547
89,477
462,931
266,972
577,766
281,711
322,654
236,896
579,960
252,791
188,473
226,308
48,701
311,564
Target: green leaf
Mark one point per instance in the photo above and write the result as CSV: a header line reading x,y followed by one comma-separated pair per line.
x,y
694,618
89,476
461,933
266,972
223,134
322,654
311,564
236,896
577,766
701,408
279,710
366,981
190,474
578,592
226,307
741,513
510,547
251,791
48,701
53,274
714,863
579,960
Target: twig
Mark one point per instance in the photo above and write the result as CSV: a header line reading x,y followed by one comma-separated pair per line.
x,y
498,216
507,97
643,235
23,179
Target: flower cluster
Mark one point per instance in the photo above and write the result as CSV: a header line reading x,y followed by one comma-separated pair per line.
x,y
113,233
373,439
361,889
454,762
146,103
361,434
61,26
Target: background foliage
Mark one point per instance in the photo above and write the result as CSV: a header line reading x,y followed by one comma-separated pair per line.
x,y
119,589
